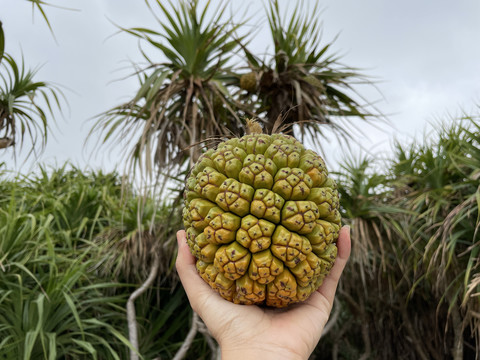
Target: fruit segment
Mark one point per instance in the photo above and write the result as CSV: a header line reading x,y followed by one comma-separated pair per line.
x,y
314,166
204,161
267,205
235,196
232,260
292,184
208,183
255,143
307,270
203,249
258,171
282,290
300,216
197,213
222,226
228,160
255,234
322,235
327,201
225,286
249,291
284,154
264,267
289,247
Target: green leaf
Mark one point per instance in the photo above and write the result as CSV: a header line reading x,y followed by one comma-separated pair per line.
x,y
112,330
87,346
52,346
2,42
177,96
74,311
19,102
29,343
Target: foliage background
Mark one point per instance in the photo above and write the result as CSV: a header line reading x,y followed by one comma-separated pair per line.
x,y
422,54
75,244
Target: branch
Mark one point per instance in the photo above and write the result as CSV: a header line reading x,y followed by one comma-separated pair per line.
x,y
366,341
417,343
457,350
365,332
339,335
189,339
131,314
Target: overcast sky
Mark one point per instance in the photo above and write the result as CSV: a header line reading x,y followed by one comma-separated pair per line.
x,y
424,55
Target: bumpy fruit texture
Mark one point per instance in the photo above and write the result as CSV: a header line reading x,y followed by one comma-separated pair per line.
x,y
262,219
248,82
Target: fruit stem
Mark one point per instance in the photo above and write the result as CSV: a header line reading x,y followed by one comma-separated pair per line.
x,y
253,127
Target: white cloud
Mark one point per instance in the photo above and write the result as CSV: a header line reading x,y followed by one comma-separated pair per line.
x,y
425,55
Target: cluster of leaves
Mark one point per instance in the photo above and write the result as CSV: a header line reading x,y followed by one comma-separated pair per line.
x,y
302,82
411,289
196,91
25,104
73,244
72,249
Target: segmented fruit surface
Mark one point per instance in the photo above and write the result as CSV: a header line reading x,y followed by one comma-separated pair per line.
x,y
262,218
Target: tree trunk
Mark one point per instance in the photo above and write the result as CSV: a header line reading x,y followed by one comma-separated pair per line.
x,y
131,314
457,350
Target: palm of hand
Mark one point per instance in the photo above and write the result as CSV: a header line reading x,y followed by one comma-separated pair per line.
x,y
293,330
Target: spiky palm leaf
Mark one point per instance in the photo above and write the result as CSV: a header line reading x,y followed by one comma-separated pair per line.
x,y
443,189
185,100
416,226
39,4
63,287
25,105
51,304
142,231
301,82
2,42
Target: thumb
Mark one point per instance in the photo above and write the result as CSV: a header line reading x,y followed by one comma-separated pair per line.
x,y
196,288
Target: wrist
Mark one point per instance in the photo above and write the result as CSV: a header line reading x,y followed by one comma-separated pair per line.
x,y
249,352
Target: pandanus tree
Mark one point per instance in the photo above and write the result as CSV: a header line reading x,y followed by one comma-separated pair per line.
x,y
411,288
302,82
194,88
25,104
198,90
186,98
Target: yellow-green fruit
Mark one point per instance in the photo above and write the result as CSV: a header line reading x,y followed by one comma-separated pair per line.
x,y
248,82
262,218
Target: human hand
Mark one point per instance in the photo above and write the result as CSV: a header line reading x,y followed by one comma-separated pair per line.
x,y
251,332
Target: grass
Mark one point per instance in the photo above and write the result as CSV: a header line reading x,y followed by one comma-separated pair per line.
x,y
72,247
412,282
